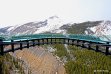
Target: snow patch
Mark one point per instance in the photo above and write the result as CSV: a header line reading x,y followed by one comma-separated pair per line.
x,y
13,27
52,24
103,30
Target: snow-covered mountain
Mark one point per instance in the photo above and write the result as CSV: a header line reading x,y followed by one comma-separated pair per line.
x,y
52,24
56,25
103,30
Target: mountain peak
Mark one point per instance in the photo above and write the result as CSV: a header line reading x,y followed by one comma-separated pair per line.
x,y
54,17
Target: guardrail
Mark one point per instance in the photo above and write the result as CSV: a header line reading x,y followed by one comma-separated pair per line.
x,y
12,45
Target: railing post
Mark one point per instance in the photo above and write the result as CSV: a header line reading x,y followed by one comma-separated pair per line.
x,y
1,47
27,44
20,45
12,45
107,49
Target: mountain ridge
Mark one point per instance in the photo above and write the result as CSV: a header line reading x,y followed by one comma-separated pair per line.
x,y
55,24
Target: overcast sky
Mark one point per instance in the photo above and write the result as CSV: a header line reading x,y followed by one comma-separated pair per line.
x,y
13,12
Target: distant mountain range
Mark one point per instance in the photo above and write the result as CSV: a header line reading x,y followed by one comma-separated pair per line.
x,y
52,24
56,25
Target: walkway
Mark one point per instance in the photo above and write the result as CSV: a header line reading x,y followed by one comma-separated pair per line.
x,y
26,41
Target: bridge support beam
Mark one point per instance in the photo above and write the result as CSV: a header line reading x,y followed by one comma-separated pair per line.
x,y
55,41
64,41
68,41
89,45
107,49
51,40
21,46
38,40
72,41
47,40
1,47
97,48
77,43
33,42
12,45
27,44
60,40
43,41
83,44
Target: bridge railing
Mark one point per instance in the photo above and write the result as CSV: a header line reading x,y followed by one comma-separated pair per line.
x,y
27,41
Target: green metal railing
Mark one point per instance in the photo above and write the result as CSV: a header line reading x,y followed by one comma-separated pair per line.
x,y
38,39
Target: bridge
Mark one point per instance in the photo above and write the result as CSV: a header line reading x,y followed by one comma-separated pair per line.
x,y
90,42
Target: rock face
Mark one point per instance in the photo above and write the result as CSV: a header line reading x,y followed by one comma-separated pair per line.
x,y
40,61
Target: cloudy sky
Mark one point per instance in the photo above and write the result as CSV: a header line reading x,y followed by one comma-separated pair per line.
x,y
14,12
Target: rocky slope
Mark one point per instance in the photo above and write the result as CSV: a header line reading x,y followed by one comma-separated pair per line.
x,y
39,61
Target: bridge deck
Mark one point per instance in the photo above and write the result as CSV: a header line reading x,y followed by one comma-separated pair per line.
x,y
38,39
